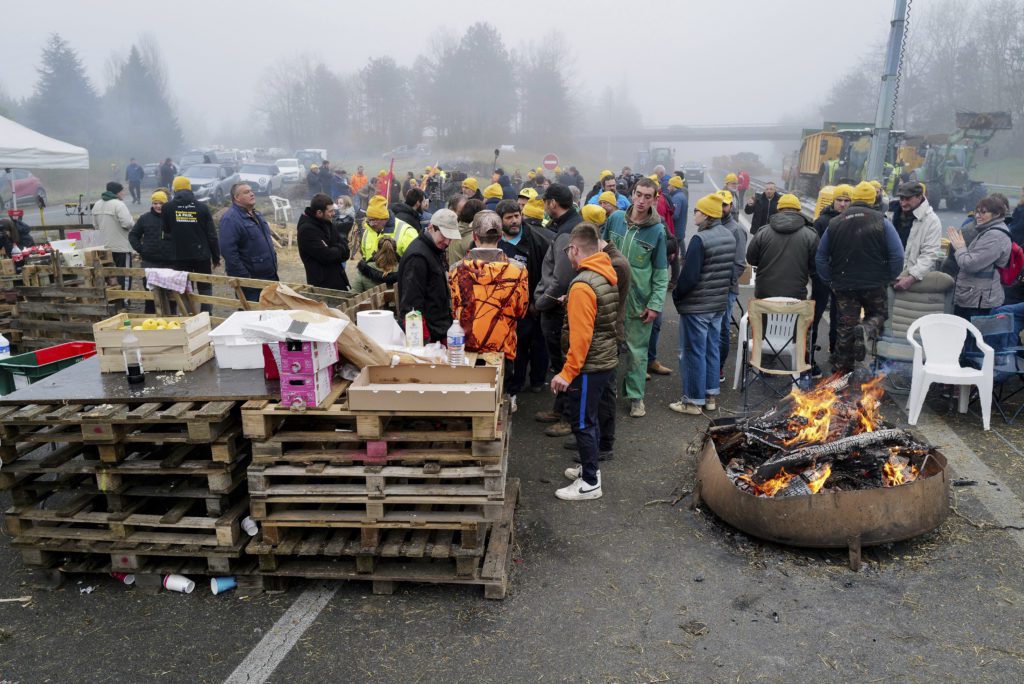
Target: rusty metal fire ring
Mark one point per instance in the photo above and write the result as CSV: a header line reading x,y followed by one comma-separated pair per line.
x,y
828,519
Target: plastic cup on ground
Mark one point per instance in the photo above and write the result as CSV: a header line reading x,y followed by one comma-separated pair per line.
x,y
179,583
250,526
123,577
218,585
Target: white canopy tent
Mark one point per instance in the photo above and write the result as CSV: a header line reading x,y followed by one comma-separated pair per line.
x,y
21,147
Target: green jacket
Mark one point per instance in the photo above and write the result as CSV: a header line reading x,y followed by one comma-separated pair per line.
x,y
644,247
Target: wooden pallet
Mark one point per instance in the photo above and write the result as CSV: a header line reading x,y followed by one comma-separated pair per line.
x,y
337,435
113,426
144,465
84,516
492,572
84,555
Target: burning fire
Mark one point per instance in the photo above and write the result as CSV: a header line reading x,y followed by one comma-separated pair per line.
x,y
817,481
776,484
816,410
898,470
869,404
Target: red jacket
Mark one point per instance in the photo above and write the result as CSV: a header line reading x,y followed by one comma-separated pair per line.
x,y
664,210
742,180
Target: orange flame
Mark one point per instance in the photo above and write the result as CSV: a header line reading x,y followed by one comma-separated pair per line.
x,y
897,471
812,417
818,481
776,484
870,403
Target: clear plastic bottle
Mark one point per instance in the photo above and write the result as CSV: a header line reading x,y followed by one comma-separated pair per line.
x,y
5,347
132,353
456,345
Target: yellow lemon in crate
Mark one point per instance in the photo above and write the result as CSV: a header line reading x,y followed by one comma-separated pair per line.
x,y
149,324
174,325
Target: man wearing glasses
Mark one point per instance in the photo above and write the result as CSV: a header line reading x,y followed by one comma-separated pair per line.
x,y
925,240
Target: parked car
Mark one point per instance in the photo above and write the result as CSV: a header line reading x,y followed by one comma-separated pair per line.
x,y
693,171
151,179
211,181
264,179
310,156
26,185
290,169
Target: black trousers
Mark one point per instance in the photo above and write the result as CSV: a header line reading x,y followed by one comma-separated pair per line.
x,y
135,188
531,354
551,325
583,401
199,266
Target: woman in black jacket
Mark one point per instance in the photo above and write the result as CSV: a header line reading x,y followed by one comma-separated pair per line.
x,y
322,249
147,237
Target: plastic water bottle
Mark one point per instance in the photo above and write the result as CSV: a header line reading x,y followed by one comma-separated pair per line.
x,y
132,353
5,347
456,345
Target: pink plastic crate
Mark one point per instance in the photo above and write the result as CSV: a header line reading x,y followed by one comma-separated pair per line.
x,y
305,390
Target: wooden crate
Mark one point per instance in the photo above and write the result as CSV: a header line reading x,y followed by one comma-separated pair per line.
x,y
315,556
184,349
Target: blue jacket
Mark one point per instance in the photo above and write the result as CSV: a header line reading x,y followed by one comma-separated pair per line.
x,y
621,200
134,173
246,245
680,204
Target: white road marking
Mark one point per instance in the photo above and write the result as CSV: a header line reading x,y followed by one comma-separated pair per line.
x,y
998,499
282,637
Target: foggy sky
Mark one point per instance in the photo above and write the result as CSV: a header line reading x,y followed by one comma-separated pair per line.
x,y
684,62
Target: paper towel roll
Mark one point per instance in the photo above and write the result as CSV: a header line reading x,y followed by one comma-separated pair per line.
x,y
381,327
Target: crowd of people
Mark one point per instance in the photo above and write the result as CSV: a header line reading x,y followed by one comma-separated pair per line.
x,y
558,280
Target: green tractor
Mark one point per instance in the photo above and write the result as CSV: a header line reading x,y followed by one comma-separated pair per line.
x,y
947,166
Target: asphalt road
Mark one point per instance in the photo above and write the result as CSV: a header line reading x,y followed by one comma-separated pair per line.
x,y
633,587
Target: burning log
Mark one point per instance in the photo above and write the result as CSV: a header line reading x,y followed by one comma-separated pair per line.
x,y
838,450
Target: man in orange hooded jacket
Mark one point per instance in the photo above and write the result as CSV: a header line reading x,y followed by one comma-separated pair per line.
x,y
591,355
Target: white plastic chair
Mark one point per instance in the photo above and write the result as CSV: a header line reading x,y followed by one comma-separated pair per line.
x,y
282,209
777,342
937,359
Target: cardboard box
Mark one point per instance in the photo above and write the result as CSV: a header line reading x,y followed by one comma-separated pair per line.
x,y
162,350
306,358
306,390
419,387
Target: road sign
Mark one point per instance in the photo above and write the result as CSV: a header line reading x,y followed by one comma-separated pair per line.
x,y
550,161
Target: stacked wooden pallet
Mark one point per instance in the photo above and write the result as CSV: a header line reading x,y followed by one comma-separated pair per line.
x,y
155,487
54,307
383,496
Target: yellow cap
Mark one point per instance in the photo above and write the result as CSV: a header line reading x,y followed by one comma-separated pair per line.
x,y
493,191
606,172
534,209
313,167
528,193
876,185
594,214
158,196
726,196
789,201
531,174
710,205
540,169
181,183
609,197
558,169
731,178
471,184
382,172
378,208
864,192
428,169
842,190
675,182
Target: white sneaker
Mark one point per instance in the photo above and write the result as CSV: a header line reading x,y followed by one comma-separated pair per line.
x,y
684,407
637,408
576,472
711,404
512,408
579,491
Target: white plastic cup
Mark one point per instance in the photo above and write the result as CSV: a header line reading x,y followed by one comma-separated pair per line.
x,y
179,583
218,585
250,526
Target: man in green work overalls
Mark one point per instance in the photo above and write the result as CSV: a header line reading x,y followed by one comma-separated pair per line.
x,y
639,234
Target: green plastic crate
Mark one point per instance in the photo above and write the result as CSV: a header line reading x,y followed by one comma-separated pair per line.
x,y
24,369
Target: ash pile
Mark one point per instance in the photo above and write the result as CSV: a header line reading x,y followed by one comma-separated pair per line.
x,y
831,437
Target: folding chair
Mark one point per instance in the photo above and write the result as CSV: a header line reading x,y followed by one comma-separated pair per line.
x,y
779,327
997,331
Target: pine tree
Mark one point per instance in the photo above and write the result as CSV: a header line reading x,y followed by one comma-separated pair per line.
x,y
137,107
65,104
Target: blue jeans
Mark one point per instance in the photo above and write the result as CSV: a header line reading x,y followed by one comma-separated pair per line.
x,y
652,346
699,340
723,346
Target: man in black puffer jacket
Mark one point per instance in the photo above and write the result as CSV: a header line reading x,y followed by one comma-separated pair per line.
x,y
321,248
763,206
423,276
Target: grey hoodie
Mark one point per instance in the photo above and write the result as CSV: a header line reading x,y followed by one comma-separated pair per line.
x,y
783,256
977,283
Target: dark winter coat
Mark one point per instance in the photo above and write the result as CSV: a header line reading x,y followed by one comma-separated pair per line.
x,y
147,237
783,254
529,253
247,246
313,182
762,210
190,226
323,252
423,286
404,212
167,174
826,215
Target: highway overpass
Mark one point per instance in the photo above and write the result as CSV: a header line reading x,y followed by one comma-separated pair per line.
x,y
710,133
